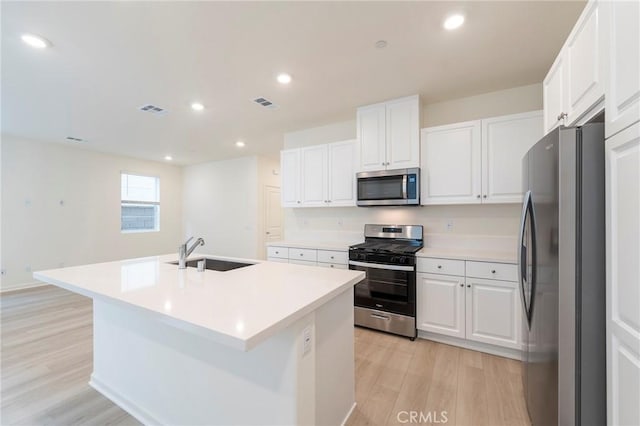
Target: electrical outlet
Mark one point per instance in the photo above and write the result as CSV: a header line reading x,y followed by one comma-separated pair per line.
x,y
306,340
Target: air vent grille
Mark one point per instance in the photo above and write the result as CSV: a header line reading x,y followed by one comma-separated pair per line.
x,y
264,102
72,139
152,109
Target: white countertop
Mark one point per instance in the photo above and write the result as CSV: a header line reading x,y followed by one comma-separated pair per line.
x,y
466,254
239,308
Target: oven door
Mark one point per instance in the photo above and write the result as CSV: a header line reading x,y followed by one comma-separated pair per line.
x,y
390,288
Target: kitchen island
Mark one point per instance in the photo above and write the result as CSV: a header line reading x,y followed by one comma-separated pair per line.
x,y
268,343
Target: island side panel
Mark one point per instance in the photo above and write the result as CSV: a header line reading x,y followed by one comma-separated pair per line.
x,y
164,375
335,365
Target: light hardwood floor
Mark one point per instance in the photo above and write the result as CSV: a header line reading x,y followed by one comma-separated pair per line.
x,y
47,359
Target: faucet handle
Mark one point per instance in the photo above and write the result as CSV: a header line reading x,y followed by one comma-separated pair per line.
x,y
188,239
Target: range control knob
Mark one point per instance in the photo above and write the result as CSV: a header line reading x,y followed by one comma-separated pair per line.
x,y
403,260
395,259
362,256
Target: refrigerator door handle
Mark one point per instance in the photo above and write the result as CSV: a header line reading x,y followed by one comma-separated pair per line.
x,y
522,250
527,213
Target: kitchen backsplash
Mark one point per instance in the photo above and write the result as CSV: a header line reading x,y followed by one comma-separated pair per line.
x,y
469,225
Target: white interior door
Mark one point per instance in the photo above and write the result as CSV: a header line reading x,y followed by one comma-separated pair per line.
x,y
623,277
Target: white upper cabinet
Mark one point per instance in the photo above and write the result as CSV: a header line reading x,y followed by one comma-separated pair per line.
x,y
553,95
341,178
389,134
290,177
372,137
574,86
314,172
505,141
621,18
477,161
450,161
319,175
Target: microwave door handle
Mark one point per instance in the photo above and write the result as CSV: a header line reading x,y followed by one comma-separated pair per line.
x,y
404,186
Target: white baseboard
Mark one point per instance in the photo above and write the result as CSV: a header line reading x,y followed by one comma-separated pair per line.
x,y
346,419
22,286
138,413
469,344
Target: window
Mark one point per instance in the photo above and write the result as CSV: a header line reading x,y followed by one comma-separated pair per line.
x,y
140,207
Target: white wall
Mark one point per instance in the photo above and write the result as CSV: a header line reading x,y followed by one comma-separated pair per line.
x,y
344,224
40,233
502,102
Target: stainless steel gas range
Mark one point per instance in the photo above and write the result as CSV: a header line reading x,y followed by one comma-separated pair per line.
x,y
386,299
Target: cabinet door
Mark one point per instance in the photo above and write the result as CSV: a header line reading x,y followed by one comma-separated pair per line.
x,y
505,141
451,164
585,64
403,133
440,304
372,137
623,276
623,50
342,174
314,176
290,177
553,95
493,312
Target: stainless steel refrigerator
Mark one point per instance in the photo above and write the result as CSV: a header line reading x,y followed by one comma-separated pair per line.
x,y
562,278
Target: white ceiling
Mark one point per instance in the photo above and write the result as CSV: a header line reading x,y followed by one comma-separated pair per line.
x,y
109,58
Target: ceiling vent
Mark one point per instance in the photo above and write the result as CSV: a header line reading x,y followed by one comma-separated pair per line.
x,y
264,102
72,139
153,109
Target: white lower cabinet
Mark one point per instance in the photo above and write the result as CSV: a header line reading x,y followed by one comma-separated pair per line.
x,y
466,307
492,312
441,305
309,256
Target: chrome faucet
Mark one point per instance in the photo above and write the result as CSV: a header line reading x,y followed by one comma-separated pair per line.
x,y
185,251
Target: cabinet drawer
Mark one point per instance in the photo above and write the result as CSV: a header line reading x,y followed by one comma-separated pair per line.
x,y
303,254
440,266
281,252
302,262
492,271
333,265
331,256
277,259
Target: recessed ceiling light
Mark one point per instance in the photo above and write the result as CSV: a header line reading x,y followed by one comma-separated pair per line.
x,y
35,41
197,106
454,21
284,78
381,44
240,144
168,157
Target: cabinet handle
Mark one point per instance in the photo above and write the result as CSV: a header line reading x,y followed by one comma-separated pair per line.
x,y
468,285
477,196
493,271
439,266
277,252
562,116
331,257
461,285
298,202
301,254
330,266
484,196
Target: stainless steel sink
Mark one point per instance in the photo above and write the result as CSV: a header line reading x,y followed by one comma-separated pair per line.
x,y
214,264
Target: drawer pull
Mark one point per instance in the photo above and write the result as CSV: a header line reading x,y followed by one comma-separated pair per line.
x,y
301,254
439,266
330,266
461,285
331,257
468,285
382,317
493,271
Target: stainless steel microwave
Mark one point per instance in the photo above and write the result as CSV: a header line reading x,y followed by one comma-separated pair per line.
x,y
399,187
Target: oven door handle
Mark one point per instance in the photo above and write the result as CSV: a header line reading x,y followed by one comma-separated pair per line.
x,y
382,266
